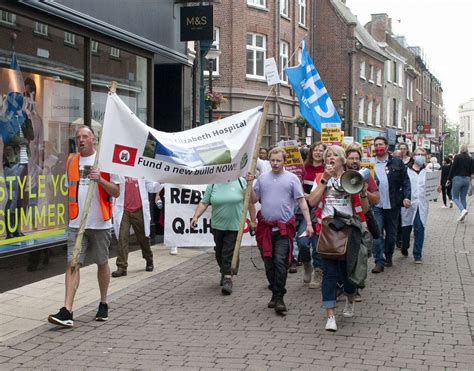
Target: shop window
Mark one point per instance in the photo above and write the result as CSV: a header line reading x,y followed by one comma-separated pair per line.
x,y
41,29
69,38
7,18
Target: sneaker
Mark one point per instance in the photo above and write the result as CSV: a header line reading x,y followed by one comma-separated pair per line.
x,y
348,311
119,272
280,305
331,324
462,216
378,269
271,303
226,286
62,318
102,312
357,297
174,251
317,279
292,268
444,207
450,204
149,267
308,272
418,261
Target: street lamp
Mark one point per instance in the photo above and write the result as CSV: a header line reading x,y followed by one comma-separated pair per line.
x,y
211,57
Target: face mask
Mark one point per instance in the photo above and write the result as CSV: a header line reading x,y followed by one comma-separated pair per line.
x,y
380,151
420,160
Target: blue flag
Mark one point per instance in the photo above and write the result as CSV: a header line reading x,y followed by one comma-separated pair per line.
x,y
15,78
315,104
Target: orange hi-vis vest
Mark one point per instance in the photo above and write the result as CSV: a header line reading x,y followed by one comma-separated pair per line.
x,y
73,177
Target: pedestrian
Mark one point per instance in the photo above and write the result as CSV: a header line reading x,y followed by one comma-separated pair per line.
x,y
333,202
397,153
394,190
263,154
132,208
416,216
460,177
313,272
443,188
97,235
405,153
227,200
278,192
433,165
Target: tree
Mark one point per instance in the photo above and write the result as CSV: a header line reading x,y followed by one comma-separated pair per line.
x,y
451,142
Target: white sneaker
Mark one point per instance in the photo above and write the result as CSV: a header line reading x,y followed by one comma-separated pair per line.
x,y
348,309
462,216
317,279
331,324
444,207
174,251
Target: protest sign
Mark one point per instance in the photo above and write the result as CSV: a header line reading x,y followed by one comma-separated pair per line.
x,y
331,134
180,205
271,71
294,161
217,152
432,181
368,163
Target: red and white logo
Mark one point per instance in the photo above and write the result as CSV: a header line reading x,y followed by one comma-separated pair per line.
x,y
124,155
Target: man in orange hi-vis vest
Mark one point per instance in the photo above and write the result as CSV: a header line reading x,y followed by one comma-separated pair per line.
x,y
97,235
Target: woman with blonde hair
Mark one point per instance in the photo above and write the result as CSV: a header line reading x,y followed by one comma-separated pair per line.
x,y
461,171
334,205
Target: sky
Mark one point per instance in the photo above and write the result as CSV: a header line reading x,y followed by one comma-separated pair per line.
x,y
444,29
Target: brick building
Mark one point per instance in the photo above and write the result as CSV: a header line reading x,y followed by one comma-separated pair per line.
x,y
246,33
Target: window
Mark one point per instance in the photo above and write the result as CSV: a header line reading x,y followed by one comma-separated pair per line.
x,y
114,52
371,74
400,74
302,12
388,69
399,114
284,47
41,29
395,72
94,46
369,113
284,7
215,46
377,115
69,38
256,54
362,70
258,3
7,18
379,77
361,109
408,89
388,113
394,112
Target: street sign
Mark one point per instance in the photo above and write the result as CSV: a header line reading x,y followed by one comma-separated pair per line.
x,y
197,23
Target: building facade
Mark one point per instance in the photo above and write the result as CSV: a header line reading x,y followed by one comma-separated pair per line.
x,y
466,124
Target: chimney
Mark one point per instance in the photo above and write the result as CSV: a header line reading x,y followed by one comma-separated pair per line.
x,y
379,26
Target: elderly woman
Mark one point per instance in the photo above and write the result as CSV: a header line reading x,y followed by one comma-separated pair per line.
x,y
332,202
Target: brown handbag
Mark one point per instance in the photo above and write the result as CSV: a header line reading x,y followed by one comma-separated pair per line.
x,y
332,243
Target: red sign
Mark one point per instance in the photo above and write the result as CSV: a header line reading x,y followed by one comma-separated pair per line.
x,y
426,129
124,155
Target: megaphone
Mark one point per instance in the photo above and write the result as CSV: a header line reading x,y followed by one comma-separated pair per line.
x,y
352,181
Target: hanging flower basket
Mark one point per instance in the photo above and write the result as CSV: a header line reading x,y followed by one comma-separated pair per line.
x,y
214,99
300,121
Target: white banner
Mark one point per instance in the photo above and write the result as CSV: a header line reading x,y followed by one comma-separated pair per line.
x,y
214,153
432,181
180,204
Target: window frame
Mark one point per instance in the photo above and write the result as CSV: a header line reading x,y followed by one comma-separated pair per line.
x,y
69,38
378,77
302,12
361,112
362,70
4,15
370,105
256,49
257,3
371,73
41,29
377,115
284,60
114,54
284,8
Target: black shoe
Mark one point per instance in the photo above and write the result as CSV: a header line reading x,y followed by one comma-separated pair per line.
x,y
222,280
292,268
404,252
227,286
119,272
149,267
62,318
280,305
102,312
271,303
388,261
357,296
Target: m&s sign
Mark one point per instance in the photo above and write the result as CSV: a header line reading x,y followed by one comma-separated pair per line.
x,y
197,23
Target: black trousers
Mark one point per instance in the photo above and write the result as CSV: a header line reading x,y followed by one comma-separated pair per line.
x,y
225,244
276,267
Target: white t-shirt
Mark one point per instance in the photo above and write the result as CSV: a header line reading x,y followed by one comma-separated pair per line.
x,y
335,200
95,219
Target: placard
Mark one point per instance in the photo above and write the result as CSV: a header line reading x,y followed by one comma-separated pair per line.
x,y
432,181
271,71
294,161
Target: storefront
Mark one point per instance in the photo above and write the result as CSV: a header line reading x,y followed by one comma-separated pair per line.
x,y
54,75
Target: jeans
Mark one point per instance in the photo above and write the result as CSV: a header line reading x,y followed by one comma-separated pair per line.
x,y
387,219
332,271
276,267
419,231
459,191
225,244
307,246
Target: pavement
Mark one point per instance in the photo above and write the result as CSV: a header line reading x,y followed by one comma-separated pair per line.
x,y
416,317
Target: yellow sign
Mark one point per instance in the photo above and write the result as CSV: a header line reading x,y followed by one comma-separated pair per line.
x,y
367,142
331,135
368,163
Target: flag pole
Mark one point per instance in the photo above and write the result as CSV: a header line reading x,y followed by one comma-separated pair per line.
x,y
253,164
87,202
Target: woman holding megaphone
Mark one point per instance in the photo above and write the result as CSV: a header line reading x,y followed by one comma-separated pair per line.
x,y
340,225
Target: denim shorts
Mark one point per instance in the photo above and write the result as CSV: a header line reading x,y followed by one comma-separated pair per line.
x,y
97,240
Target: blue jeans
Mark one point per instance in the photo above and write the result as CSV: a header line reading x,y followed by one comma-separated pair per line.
x,y
334,270
307,246
459,191
419,231
387,219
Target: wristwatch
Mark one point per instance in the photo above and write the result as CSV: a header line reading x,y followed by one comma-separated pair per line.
x,y
324,181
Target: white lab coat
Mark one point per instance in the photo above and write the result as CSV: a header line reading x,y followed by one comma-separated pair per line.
x,y
145,187
418,198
